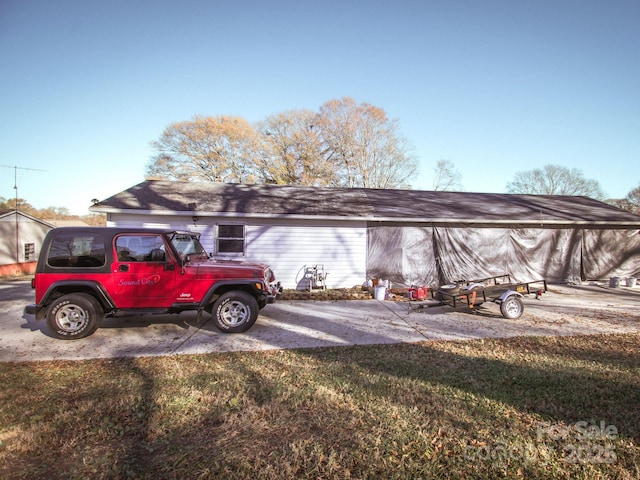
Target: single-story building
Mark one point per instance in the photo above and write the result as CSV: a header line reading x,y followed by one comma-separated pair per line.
x,y
21,237
404,236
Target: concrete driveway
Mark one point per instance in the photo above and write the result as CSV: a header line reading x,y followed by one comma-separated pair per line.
x,y
565,310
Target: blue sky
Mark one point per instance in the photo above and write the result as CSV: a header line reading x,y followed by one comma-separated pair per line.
x,y
496,87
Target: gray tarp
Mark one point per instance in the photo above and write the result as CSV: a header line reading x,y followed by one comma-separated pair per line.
x,y
467,253
403,255
525,253
438,255
611,253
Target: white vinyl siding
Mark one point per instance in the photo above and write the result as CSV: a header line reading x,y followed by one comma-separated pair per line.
x,y
288,249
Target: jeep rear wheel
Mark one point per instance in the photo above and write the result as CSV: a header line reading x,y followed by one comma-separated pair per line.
x,y
235,312
74,316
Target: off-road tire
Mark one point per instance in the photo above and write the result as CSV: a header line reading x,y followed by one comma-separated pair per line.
x,y
74,316
235,312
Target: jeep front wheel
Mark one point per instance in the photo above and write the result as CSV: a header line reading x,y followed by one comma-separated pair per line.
x,y
74,316
235,312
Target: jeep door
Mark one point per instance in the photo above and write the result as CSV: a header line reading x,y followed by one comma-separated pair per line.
x,y
144,271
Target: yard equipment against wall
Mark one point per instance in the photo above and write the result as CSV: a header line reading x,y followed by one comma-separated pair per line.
x,y
315,277
472,293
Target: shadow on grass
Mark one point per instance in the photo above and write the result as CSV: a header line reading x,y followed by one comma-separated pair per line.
x,y
387,411
561,387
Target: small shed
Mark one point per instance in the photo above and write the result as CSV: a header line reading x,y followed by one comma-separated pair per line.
x,y
405,236
22,236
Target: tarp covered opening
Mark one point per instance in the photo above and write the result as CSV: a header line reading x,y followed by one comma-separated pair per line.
x,y
435,255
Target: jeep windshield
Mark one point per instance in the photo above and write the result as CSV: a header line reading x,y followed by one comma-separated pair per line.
x,y
188,245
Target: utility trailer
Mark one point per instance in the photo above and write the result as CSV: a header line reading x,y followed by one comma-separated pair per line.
x,y
472,293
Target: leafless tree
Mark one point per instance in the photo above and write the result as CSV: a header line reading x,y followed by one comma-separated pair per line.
x,y
345,144
446,177
555,180
365,147
293,151
631,203
634,199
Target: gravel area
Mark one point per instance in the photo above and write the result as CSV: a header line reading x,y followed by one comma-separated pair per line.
x,y
564,310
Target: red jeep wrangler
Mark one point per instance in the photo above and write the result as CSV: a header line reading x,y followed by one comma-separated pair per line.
x,y
86,273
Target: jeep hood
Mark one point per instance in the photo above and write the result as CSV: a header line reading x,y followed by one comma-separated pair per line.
x,y
228,268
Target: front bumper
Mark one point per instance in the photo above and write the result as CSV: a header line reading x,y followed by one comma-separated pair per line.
x,y
274,291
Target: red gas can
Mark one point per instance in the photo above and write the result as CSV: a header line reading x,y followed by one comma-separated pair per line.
x,y
418,293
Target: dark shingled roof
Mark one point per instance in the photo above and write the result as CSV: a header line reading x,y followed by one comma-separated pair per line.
x,y
153,196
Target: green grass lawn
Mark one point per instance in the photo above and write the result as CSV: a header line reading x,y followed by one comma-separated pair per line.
x,y
535,407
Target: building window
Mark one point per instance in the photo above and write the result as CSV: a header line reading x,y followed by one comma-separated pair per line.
x,y
230,239
29,252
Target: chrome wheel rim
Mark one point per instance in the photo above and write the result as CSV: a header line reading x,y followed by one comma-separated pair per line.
x,y
234,314
71,318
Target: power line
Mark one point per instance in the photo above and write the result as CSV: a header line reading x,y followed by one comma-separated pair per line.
x,y
15,174
15,177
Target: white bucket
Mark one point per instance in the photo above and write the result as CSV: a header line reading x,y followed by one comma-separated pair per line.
x,y
614,282
631,282
380,292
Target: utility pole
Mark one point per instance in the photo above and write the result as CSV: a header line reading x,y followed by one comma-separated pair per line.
x,y
15,187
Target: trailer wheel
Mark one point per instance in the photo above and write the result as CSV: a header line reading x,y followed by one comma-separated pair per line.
x,y
512,307
235,311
